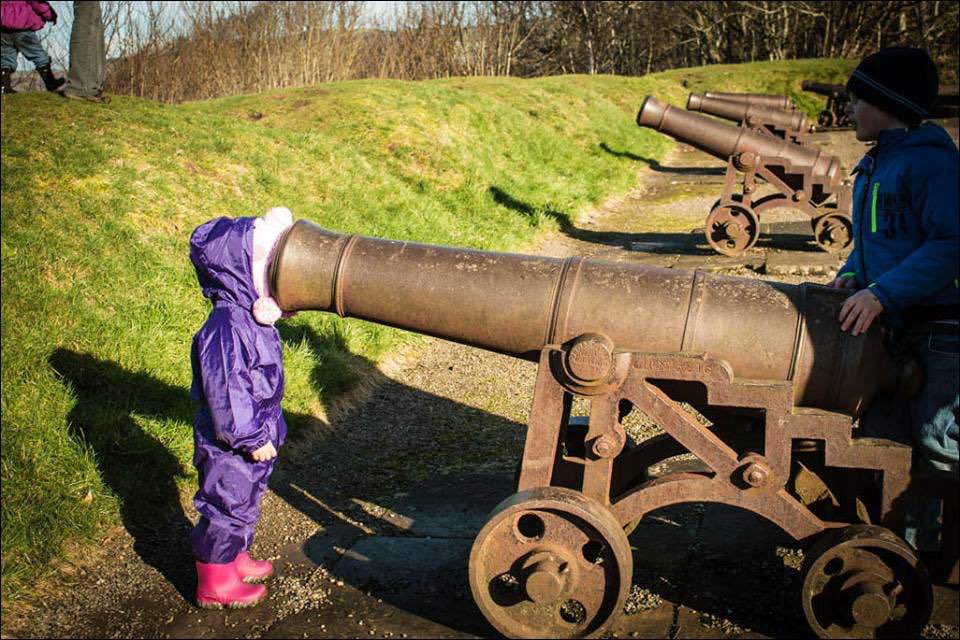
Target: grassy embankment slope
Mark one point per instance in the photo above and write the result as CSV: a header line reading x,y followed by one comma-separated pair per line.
x,y
100,300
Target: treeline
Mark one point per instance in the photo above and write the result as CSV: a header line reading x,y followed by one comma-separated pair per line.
x,y
193,50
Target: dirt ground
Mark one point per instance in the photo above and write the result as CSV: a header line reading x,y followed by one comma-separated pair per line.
x,y
370,520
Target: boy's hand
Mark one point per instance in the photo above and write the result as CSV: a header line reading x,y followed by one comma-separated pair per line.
x,y
264,453
844,282
859,311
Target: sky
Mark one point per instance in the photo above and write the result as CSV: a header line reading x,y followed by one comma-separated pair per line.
x,y
56,38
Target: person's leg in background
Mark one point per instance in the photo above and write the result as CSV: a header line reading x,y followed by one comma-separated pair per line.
x,y
28,44
87,53
8,60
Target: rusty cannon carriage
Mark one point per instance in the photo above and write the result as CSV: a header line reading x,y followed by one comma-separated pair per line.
x,y
764,363
786,125
803,178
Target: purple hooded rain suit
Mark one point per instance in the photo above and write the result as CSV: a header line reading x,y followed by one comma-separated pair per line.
x,y
238,381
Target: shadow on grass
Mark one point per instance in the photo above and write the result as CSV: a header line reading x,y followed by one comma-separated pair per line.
x,y
783,236
134,465
611,238
656,166
335,368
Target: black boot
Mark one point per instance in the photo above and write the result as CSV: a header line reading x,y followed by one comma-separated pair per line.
x,y
50,81
5,76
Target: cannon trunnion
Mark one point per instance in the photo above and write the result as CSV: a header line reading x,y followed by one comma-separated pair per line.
x,y
803,178
775,387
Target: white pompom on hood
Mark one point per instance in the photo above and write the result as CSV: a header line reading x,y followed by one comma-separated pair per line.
x,y
266,231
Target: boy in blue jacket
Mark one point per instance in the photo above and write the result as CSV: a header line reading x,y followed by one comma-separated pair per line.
x,y
905,263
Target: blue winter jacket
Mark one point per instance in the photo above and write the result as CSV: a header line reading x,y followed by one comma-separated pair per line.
x,y
905,223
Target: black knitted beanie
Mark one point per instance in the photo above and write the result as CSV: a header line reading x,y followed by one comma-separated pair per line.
x,y
902,81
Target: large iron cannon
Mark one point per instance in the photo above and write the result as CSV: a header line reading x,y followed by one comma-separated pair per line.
x,y
803,178
786,125
771,100
774,382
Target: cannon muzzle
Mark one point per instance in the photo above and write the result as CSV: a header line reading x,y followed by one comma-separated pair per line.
x,y
724,141
791,121
519,304
770,100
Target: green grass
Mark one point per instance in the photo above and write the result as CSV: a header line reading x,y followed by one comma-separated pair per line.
x,y
99,299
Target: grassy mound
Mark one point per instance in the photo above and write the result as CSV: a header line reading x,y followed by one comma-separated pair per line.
x,y
100,302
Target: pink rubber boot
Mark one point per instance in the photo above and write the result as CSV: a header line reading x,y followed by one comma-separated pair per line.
x,y
220,585
253,570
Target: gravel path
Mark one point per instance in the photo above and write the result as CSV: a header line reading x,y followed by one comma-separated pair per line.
x,y
442,410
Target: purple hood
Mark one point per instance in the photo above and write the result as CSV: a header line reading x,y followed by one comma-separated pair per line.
x,y
222,253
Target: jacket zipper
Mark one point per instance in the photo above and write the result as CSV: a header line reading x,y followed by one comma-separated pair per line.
x,y
863,205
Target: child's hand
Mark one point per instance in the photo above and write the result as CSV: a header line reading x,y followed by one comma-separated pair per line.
x,y
858,311
844,282
264,453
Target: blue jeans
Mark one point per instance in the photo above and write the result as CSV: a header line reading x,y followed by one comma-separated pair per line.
x,y
25,42
935,410
928,422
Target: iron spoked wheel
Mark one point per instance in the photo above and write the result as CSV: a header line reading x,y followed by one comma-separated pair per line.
x,y
732,228
825,119
863,581
550,563
833,232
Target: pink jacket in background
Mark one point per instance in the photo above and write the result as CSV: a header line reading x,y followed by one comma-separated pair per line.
x,y
25,15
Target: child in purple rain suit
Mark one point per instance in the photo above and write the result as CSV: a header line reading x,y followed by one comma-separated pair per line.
x,y
238,381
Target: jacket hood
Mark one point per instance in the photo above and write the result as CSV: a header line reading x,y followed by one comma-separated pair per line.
x,y
221,252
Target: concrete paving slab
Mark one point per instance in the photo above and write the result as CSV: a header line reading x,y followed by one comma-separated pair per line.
x,y
351,613
453,508
946,606
694,624
423,576
649,623
728,532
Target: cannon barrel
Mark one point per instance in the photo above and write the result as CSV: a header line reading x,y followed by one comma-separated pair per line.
x,y
518,304
771,100
723,141
744,111
824,89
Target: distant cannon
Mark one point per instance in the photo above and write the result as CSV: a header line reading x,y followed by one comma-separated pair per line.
x,y
805,179
946,105
770,100
835,113
787,125
764,363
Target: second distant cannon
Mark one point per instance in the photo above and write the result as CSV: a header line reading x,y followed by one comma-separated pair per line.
x,y
788,125
803,177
